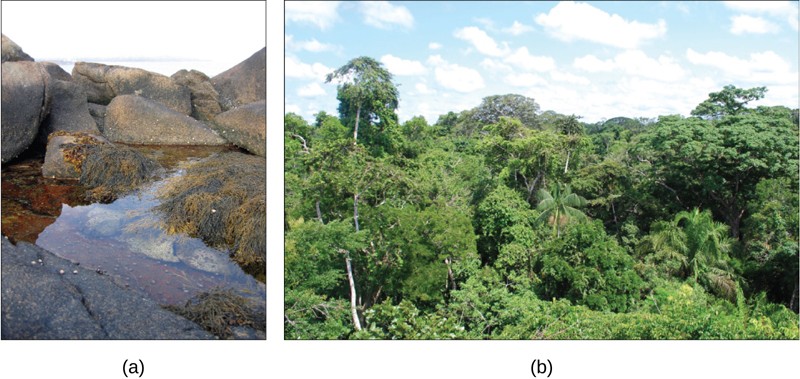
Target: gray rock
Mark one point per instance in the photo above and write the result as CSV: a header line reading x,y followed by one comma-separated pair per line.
x,y
66,152
245,126
205,99
69,110
11,52
98,113
244,83
55,71
137,120
40,303
104,82
25,93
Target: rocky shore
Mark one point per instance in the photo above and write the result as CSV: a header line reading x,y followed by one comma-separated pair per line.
x,y
85,123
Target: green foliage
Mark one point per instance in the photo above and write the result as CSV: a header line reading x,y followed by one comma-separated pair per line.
x,y
589,268
405,322
559,207
729,101
492,108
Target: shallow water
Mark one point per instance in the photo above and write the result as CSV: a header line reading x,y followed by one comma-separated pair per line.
x,y
123,239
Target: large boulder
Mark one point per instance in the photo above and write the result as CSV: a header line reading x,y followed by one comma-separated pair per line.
x,y
98,113
11,52
55,71
244,83
47,297
69,110
245,126
66,152
137,120
103,83
25,92
205,99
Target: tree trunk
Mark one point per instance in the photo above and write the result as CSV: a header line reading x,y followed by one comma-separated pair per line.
x,y
356,321
319,213
355,210
566,165
793,302
355,130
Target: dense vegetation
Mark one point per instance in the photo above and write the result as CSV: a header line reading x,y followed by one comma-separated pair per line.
x,y
507,222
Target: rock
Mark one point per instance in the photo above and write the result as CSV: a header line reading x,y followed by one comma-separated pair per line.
x,y
98,113
103,83
38,303
154,245
55,71
137,120
245,126
104,222
66,152
11,52
69,110
205,259
25,87
205,99
244,83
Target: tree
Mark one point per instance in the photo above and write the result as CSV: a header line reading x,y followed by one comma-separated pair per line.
x,y
701,245
729,101
559,206
520,107
367,95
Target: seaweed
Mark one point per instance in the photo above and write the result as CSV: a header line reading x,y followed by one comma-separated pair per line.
x,y
110,171
222,200
218,310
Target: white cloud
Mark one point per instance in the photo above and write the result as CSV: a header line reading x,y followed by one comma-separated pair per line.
x,y
311,90
518,28
294,68
383,15
765,67
291,108
591,63
523,59
320,13
778,9
482,42
494,65
423,89
455,77
569,21
569,78
524,80
434,46
402,67
748,24
312,45
634,63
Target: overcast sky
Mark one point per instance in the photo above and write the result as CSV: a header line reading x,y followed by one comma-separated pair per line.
x,y
207,36
597,60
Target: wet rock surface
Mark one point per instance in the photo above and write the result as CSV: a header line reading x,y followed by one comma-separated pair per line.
x,y
66,153
47,297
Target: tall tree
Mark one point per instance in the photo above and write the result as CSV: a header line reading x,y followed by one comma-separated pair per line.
x,y
368,99
516,106
559,206
729,101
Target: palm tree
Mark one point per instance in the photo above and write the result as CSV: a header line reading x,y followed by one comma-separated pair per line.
x,y
559,206
701,245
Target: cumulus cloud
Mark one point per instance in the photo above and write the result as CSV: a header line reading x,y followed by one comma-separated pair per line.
x,y
311,90
567,77
518,28
524,79
402,67
294,68
522,58
434,46
454,76
383,15
320,13
311,45
748,24
423,89
569,21
765,67
481,41
787,10
634,63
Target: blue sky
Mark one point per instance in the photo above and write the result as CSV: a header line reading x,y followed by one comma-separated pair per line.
x,y
597,60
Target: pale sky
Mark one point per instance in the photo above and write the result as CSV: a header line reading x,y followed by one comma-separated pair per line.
x,y
207,36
